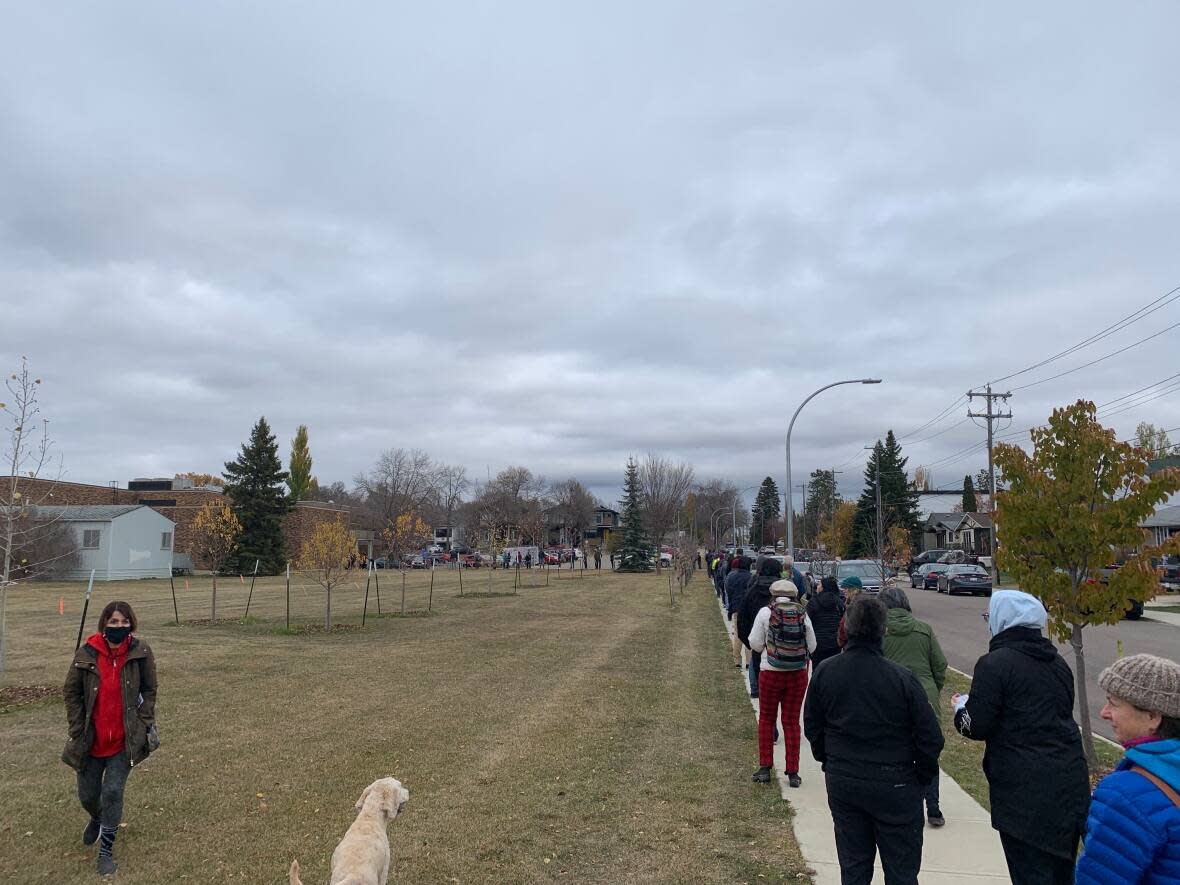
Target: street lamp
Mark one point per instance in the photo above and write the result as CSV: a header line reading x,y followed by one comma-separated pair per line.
x,y
712,528
789,509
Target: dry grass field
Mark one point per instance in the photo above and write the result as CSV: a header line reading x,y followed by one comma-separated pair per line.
x,y
585,731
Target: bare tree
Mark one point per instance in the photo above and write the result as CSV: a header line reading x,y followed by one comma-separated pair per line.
x,y
450,484
28,456
402,480
573,507
665,487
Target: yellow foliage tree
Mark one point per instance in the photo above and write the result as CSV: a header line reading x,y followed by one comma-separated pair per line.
x,y
836,536
897,545
405,533
325,557
1077,498
215,532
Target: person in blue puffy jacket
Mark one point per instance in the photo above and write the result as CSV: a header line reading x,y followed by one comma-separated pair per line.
x,y
1133,831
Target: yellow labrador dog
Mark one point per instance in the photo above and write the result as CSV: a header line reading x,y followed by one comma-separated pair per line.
x,y
362,857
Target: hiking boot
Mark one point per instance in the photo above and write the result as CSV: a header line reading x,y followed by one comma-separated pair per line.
x,y
90,834
107,866
934,815
762,775
794,780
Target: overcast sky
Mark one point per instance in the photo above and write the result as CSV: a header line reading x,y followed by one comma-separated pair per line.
x,y
556,234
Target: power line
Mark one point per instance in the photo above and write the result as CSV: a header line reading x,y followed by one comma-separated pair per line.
x,y
1140,390
1099,360
918,442
935,419
1134,317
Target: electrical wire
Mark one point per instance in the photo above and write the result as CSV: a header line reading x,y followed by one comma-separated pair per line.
x,y
918,442
933,420
1099,360
1140,390
1131,318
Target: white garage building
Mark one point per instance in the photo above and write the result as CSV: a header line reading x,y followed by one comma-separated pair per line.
x,y
118,541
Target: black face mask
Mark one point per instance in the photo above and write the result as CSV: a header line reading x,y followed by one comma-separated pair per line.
x,y
115,635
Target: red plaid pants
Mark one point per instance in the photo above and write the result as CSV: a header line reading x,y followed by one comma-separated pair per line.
x,y
786,690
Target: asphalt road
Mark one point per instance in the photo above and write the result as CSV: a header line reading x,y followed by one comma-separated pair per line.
x,y
963,634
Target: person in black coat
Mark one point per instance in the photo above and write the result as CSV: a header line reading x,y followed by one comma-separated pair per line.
x,y
1021,704
757,597
871,727
736,583
825,609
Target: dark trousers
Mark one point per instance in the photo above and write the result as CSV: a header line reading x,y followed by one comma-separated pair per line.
x,y
754,666
871,816
930,792
100,787
819,656
1030,865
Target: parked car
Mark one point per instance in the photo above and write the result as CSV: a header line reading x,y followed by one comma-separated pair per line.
x,y
419,561
923,558
918,575
1169,572
933,570
1134,608
869,572
965,578
958,557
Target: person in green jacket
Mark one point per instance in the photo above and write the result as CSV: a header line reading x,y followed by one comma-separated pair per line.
x,y
912,644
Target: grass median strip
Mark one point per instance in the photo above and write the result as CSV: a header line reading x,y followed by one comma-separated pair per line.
x,y
586,732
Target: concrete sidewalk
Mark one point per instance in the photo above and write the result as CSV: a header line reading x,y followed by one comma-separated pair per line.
x,y
966,851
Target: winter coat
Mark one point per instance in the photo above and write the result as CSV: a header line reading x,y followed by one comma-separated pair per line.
x,y
1133,832
137,679
760,628
868,718
736,583
825,611
796,577
1021,704
912,644
758,596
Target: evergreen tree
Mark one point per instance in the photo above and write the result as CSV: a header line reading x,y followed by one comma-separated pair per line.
x,y
969,504
765,513
822,500
899,500
254,486
299,480
635,552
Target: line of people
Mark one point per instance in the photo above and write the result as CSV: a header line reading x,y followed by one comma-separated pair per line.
x,y
868,676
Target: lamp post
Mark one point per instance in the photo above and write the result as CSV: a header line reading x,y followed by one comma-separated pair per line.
x,y
712,528
789,511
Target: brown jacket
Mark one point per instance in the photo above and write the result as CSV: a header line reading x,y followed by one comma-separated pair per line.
x,y
81,688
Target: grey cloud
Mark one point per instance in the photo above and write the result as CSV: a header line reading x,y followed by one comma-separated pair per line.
x,y
560,234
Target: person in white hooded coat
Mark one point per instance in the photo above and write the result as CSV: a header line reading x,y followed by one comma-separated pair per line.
x,y
1021,705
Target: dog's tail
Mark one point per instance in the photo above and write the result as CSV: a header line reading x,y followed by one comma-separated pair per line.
x,y
293,876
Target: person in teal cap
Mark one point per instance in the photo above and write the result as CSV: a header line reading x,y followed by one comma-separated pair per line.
x,y
851,587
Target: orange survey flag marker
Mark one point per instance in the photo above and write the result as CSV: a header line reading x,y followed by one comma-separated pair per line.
x,y
186,583
61,605
240,578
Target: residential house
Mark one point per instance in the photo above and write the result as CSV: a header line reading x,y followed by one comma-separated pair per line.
x,y
970,532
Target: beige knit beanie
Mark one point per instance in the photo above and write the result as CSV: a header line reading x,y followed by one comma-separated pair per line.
x,y
1149,682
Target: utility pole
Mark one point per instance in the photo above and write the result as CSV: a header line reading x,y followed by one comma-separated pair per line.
x,y
991,415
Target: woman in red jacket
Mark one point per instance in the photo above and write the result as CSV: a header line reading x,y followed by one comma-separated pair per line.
x,y
110,696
